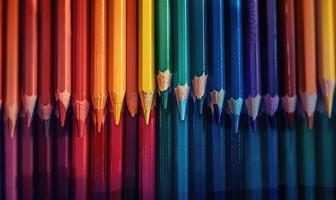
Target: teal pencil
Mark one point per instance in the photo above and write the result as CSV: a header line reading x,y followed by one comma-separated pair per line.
x,y
181,155
306,159
164,150
325,156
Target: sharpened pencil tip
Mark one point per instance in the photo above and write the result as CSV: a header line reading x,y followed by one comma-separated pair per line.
x,y
10,118
254,125
146,102
328,89
80,127
182,107
11,127
200,103
218,113
99,119
62,111
28,107
164,98
132,103
147,115
310,121
117,109
235,120
271,103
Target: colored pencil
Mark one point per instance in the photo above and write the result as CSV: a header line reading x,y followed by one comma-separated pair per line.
x,y
26,159
198,156
180,154
253,160
163,49
10,167
216,158
181,75
130,155
306,160
63,58
2,30
198,49
132,98
11,99
80,63
46,62
164,158
44,146
269,53
287,58
29,59
252,60
288,160
147,139
306,55
235,67
99,61
270,159
115,157
325,154
325,25
98,163
117,56
79,160
62,161
146,56
216,57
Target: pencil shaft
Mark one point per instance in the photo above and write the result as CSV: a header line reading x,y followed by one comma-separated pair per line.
x,y
44,163
130,168
164,158
80,161
98,164
147,139
115,154
2,30
132,56
26,160
80,62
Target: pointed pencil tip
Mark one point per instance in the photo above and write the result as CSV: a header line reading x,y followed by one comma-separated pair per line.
x,y
182,107
80,124
235,120
28,107
271,103
200,103
62,111
117,109
10,118
310,121
254,125
99,115
132,103
164,98
218,113
11,127
146,102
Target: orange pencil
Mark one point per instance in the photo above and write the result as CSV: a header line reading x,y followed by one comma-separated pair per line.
x,y
99,67
307,57
63,57
46,62
11,98
29,59
117,56
2,11
132,98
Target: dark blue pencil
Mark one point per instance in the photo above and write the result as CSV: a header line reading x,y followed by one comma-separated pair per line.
x,y
269,52
253,163
181,154
235,64
216,158
216,57
198,162
252,59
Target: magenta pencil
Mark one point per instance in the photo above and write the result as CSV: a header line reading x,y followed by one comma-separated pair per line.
x,y
10,166
62,162
147,157
115,157
26,160
44,162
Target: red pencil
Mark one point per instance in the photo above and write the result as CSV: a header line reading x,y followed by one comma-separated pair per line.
x,y
147,157
63,58
45,162
46,61
115,157
62,173
98,163
80,160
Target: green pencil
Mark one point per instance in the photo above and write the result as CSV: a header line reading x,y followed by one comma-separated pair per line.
x,y
163,49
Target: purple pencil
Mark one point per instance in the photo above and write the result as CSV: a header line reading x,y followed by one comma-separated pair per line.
x,y
252,60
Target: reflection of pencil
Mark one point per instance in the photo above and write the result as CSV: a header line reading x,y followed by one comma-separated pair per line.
x,y
307,57
46,53
326,50
117,56
99,61
63,58
146,59
252,60
132,98
198,49
147,156
115,156
287,58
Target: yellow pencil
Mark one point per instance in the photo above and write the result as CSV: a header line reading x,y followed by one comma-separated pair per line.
x,y
326,50
117,56
146,73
